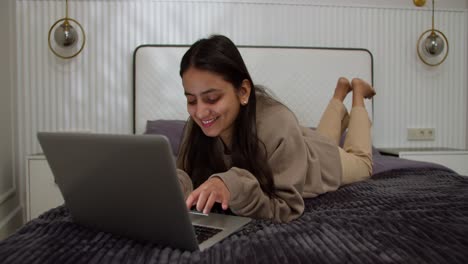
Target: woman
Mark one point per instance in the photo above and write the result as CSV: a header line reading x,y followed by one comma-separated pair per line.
x,y
247,151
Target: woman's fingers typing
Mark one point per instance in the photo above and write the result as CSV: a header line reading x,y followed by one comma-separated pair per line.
x,y
211,191
210,202
191,200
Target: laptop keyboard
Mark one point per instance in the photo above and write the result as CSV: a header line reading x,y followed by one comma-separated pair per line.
x,y
203,232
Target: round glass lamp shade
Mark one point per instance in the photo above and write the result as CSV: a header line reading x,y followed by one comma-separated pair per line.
x,y
65,35
433,44
66,38
432,47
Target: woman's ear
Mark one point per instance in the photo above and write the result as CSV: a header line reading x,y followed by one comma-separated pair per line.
x,y
244,92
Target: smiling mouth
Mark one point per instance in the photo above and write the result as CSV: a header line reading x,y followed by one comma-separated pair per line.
x,y
208,123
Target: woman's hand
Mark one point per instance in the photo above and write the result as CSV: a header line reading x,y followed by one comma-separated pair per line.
x,y
211,191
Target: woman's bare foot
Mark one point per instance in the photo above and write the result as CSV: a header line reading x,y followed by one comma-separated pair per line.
x,y
362,88
343,87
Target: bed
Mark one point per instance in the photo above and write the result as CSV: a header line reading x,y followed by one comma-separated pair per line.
x,y
407,212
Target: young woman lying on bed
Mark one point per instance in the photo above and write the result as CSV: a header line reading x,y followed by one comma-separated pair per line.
x,y
247,151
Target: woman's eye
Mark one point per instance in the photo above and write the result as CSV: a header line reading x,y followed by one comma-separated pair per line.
x,y
191,102
211,100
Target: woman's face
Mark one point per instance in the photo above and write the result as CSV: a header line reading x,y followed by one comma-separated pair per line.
x,y
212,102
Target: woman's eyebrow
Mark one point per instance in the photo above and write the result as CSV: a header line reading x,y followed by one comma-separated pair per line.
x,y
211,90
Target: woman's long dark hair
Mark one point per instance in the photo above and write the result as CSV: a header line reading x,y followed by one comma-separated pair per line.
x,y
200,155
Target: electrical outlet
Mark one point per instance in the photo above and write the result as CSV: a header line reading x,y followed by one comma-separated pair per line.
x,y
421,134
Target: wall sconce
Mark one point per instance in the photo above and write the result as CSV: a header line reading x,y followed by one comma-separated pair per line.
x,y
431,46
67,42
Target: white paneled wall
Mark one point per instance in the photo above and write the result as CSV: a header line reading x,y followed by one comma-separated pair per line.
x,y
93,91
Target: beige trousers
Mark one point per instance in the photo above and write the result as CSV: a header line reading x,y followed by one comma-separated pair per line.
x,y
356,154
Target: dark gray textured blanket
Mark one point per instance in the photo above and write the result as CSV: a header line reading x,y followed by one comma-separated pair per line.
x,y
399,216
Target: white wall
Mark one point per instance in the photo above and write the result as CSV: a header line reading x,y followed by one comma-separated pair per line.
x,y
6,178
10,209
93,90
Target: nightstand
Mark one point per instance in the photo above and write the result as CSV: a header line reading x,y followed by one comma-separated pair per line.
x,y
42,193
455,159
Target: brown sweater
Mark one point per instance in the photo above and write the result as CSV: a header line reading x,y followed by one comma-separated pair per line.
x,y
304,165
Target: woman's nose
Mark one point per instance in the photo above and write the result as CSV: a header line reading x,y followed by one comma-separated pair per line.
x,y
202,111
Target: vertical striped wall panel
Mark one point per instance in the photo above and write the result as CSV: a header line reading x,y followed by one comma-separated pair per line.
x,y
93,91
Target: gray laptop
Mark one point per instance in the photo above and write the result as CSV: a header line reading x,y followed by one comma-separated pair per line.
x,y
127,185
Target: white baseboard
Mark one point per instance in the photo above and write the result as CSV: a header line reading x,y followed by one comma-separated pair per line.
x,y
11,222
